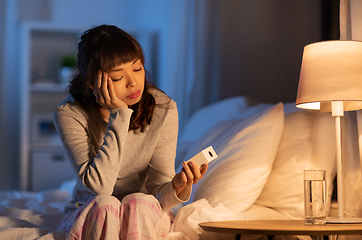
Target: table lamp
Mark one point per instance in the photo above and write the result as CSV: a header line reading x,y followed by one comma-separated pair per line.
x,y
331,81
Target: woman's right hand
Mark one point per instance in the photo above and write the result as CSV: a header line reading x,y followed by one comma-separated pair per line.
x,y
105,93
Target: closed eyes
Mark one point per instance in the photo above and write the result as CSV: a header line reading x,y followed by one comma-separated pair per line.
x,y
115,80
136,70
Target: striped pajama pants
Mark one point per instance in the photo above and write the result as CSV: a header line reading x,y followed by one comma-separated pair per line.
x,y
137,216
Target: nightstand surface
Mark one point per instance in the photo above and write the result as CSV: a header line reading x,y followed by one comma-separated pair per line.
x,y
280,227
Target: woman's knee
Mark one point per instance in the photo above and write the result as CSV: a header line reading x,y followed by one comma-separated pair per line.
x,y
142,206
135,197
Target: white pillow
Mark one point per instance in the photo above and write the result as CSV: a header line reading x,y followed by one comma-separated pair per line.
x,y
308,142
207,117
246,151
203,120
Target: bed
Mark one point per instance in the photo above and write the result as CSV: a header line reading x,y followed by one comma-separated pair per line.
x,y
262,150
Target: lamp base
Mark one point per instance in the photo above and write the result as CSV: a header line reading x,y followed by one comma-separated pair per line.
x,y
344,220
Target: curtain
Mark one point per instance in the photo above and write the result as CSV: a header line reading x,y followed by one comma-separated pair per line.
x,y
193,83
351,29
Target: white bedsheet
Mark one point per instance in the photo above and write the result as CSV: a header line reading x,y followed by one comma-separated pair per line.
x,y
30,215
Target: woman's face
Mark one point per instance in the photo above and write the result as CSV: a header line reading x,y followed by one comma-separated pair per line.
x,y
128,81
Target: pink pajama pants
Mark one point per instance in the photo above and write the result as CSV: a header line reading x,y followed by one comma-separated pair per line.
x,y
137,216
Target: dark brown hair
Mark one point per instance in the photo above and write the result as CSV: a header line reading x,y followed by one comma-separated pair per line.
x,y
102,48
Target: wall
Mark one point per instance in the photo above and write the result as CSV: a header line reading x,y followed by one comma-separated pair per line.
x,y
9,92
262,44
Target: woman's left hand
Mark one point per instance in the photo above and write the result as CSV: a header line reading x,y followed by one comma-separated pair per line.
x,y
190,174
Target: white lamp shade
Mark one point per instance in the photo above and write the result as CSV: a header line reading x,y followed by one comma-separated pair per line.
x,y
331,71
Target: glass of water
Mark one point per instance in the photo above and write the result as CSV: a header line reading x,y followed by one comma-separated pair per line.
x,y
315,196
